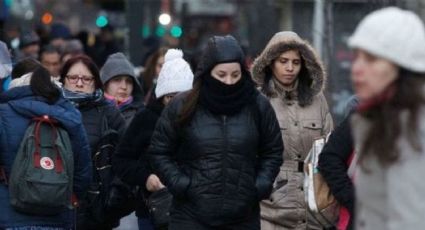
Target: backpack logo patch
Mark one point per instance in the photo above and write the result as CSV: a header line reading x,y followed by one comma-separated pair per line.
x,y
47,163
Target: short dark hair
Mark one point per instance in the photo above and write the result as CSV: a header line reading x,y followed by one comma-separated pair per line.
x,y
48,49
24,66
88,62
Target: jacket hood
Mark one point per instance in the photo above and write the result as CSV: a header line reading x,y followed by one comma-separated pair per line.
x,y
23,101
220,49
284,41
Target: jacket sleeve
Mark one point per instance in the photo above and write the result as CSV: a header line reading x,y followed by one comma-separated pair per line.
x,y
164,144
82,160
130,158
115,119
270,149
333,164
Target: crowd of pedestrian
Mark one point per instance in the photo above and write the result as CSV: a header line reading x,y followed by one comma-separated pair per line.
x,y
223,145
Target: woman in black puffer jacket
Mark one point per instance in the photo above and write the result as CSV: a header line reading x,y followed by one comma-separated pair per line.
x,y
218,147
83,87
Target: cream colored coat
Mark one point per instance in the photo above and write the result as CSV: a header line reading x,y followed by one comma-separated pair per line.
x,y
300,125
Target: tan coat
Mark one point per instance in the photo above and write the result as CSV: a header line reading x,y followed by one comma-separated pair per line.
x,y
299,124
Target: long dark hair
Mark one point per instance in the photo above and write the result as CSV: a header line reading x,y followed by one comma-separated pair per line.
x,y
386,123
42,85
88,62
24,66
147,76
190,103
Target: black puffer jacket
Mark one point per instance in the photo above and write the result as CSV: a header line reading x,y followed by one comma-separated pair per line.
x,y
333,164
218,167
130,159
93,114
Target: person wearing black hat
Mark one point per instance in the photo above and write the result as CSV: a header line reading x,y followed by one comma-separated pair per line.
x,y
218,147
29,45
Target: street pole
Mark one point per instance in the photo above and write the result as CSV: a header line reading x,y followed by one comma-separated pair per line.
x,y
318,26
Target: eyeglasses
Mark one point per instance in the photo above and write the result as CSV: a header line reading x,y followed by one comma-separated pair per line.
x,y
73,79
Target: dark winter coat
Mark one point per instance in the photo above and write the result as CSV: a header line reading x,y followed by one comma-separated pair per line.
x,y
129,111
333,165
18,106
130,161
218,167
93,114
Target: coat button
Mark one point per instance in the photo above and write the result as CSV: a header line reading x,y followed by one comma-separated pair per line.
x,y
296,123
314,125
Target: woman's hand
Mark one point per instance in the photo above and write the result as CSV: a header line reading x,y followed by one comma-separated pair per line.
x,y
153,183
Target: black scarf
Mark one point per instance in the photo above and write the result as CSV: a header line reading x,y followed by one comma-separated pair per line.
x,y
224,99
83,99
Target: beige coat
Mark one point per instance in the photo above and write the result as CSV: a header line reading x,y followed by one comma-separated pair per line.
x,y
300,125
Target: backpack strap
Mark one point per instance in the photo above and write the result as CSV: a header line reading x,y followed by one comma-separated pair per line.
x,y
37,137
3,176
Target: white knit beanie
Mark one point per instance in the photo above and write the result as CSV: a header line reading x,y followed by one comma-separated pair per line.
x,y
175,75
393,34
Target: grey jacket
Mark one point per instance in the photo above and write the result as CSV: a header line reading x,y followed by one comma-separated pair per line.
x,y
390,198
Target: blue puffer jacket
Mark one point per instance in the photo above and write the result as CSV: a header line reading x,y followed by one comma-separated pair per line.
x,y
17,107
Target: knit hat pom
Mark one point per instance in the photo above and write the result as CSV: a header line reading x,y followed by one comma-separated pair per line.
x,y
175,75
173,54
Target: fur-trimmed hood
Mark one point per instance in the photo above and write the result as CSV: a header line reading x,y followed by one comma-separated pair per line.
x,y
279,43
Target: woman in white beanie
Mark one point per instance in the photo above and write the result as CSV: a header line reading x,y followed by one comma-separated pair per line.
x,y
174,77
388,75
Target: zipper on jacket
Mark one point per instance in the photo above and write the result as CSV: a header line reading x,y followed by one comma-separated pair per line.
x,y
223,160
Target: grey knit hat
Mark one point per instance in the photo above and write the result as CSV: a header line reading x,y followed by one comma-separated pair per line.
x,y
116,64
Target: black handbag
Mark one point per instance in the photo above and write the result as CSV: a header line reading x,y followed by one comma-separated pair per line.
x,y
159,205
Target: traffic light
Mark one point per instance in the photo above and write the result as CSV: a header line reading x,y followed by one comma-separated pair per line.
x,y
145,31
160,31
102,21
47,18
176,31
